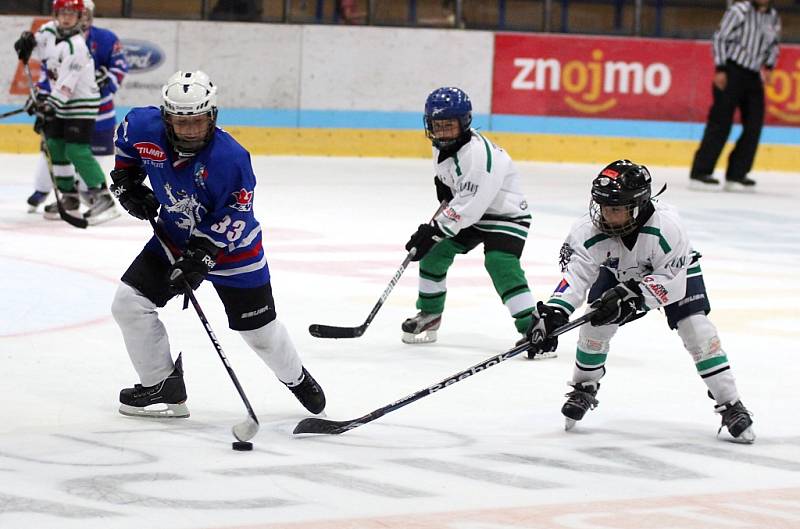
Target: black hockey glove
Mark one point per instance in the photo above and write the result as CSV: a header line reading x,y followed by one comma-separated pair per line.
x,y
137,199
423,239
617,305
546,318
194,265
102,77
24,46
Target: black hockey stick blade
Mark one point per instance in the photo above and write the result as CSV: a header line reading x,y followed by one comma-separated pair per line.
x,y
328,331
78,222
316,425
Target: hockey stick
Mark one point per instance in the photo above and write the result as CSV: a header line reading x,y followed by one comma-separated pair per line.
x,y
12,113
314,425
246,430
329,331
78,222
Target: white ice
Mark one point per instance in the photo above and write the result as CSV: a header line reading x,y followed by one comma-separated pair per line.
x,y
489,452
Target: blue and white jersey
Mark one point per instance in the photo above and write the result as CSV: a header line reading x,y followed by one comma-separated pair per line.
x,y
208,195
106,50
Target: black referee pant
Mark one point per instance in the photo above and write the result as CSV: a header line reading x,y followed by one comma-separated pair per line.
x,y
744,91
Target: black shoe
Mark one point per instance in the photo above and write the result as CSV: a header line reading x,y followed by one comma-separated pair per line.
x,y
737,420
309,393
740,184
703,182
168,397
580,400
36,199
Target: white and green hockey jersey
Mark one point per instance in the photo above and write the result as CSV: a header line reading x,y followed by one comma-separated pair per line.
x,y
660,260
486,188
74,93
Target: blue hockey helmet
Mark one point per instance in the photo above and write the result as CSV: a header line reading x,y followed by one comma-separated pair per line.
x,y
447,102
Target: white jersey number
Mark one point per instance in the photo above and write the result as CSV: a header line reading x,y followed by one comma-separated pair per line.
x,y
235,231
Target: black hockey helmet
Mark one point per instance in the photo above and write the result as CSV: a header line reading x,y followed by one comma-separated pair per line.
x,y
620,183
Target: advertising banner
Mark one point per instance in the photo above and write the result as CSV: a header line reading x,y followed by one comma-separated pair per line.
x,y
622,78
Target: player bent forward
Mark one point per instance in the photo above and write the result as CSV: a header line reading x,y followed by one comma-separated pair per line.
x,y
631,253
202,192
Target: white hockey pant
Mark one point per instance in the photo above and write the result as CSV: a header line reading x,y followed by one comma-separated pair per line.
x,y
145,336
700,338
148,344
274,345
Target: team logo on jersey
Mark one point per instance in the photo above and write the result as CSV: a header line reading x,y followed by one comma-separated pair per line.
x,y
243,200
200,175
150,151
564,256
562,287
610,173
467,189
657,290
451,214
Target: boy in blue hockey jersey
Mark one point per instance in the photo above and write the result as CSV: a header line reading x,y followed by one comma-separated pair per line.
x,y
202,193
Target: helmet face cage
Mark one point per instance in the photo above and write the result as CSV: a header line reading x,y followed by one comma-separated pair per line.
x,y
189,94
447,103
76,6
622,183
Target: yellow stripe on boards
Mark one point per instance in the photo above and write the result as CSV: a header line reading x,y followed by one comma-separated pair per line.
x,y
20,138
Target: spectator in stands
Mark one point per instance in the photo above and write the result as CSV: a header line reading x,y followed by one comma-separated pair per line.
x,y
745,52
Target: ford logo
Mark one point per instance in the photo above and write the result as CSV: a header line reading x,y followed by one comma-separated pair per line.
x,y
141,55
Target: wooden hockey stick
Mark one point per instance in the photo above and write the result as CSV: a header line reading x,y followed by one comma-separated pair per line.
x,y
329,331
314,425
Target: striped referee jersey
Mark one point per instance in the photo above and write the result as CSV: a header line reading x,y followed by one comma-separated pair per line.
x,y
747,37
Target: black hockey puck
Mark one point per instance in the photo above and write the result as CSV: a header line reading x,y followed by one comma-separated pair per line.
x,y
242,446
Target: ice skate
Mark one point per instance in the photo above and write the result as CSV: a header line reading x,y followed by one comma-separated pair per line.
x,y
744,185
102,207
704,183
309,393
421,328
71,203
36,199
167,399
737,420
580,400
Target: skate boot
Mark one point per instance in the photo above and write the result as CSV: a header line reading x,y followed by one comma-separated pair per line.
x,y
309,393
71,203
736,419
421,328
167,399
580,400
36,199
102,207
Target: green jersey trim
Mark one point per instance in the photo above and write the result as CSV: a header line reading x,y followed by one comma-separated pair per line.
x,y
662,242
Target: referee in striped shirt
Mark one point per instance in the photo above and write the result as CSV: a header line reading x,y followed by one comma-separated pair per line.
x,y
745,52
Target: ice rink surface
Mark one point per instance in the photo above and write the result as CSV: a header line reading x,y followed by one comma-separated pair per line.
x,y
487,453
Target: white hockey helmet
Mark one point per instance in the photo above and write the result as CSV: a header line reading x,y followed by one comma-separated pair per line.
x,y
88,14
184,96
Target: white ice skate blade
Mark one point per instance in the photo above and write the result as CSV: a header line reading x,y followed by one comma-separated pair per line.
x,y
696,185
423,337
735,187
569,424
109,214
159,411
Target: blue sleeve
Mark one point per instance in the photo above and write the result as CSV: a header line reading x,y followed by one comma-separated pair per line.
x,y
126,155
117,65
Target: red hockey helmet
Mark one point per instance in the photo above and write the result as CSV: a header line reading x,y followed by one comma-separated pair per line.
x,y
75,6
